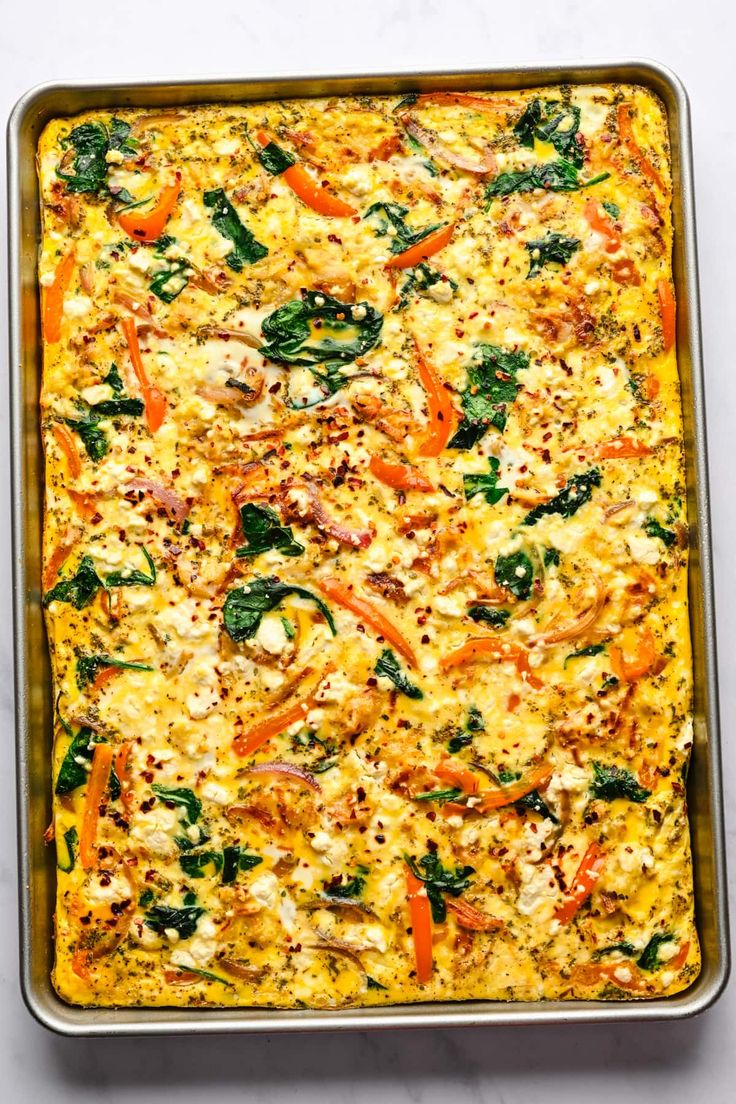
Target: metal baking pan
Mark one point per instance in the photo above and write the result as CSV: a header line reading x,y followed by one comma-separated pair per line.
x,y
32,673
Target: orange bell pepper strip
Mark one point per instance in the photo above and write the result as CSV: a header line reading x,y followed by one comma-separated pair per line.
x,y
309,189
427,247
491,647
667,310
421,925
626,133
466,99
401,476
441,413
507,795
366,611
68,446
602,225
680,958
80,962
149,227
154,399
57,558
621,448
471,918
104,676
624,271
53,298
98,778
467,780
122,770
85,504
631,670
251,739
584,883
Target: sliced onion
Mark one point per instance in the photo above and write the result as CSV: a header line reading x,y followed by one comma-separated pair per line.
x,y
354,538
340,904
220,395
241,970
438,149
169,499
338,947
290,769
575,627
226,334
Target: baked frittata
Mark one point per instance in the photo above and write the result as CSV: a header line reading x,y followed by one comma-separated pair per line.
x,y
365,551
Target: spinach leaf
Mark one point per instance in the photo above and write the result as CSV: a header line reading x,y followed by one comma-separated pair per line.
x,y
94,439
554,123
114,381
66,856
652,528
80,589
536,803
459,741
573,495
195,863
515,573
551,557
180,795
439,880
274,159
128,577
487,485
237,858
591,650
345,887
263,531
489,615
463,738
532,801
226,221
475,722
390,216
89,666
319,329
439,795
72,772
227,862
91,143
117,408
388,665
171,281
613,209
627,949
561,129
182,920
525,127
649,958
371,983
554,176
553,248
419,280
610,782
245,606
490,391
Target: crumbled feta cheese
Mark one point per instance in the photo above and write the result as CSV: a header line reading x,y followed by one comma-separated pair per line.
x,y
76,306
213,791
264,889
271,636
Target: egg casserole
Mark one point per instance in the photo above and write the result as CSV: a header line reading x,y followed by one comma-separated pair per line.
x,y
365,552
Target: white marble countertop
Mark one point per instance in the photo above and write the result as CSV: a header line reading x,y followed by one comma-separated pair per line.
x,y
679,1064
